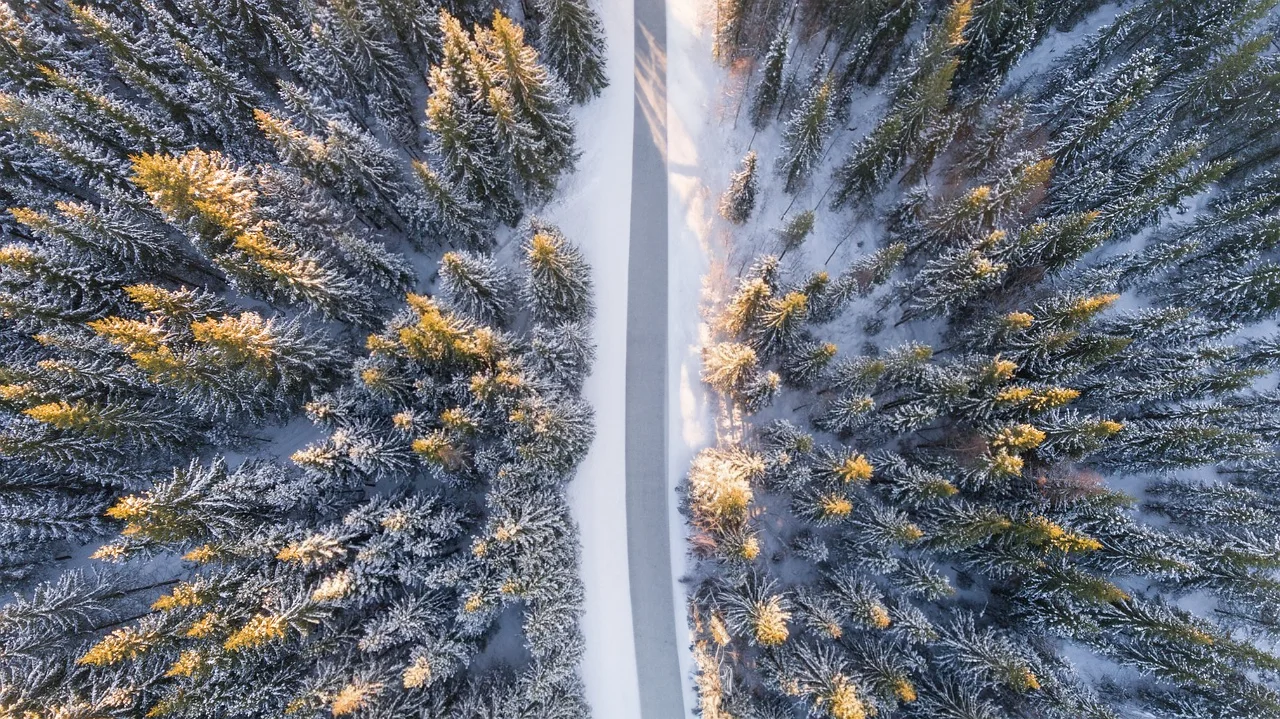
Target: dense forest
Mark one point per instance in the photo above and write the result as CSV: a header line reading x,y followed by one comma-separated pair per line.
x,y
1016,456
289,376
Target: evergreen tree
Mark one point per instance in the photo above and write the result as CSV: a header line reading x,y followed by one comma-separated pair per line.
x,y
920,96
347,160
572,39
796,231
1000,33
806,131
565,352
536,100
463,129
769,91
1086,111
729,367
157,253
806,364
740,199
477,287
731,17
781,321
219,204
558,284
444,210
1091,345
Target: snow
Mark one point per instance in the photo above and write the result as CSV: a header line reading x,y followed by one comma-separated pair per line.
x,y
696,165
593,212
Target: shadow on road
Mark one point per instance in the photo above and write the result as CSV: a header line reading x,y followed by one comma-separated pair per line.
x,y
648,538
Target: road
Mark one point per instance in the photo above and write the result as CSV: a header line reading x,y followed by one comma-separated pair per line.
x,y
648,538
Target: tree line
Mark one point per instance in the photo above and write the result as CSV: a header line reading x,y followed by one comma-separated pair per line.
x,y
251,462
1017,459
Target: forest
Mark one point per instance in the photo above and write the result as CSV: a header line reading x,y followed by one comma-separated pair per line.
x,y
293,364
290,368
1017,456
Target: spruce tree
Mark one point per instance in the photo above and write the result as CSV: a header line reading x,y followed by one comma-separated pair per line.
x,y
464,134
740,199
572,40
806,131
796,231
203,204
536,102
558,284
477,287
769,91
443,210
920,96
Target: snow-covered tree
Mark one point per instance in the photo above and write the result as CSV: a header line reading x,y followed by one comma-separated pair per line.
x,y
572,40
740,199
806,132
558,282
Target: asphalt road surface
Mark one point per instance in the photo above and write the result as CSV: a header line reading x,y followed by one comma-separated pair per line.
x,y
648,538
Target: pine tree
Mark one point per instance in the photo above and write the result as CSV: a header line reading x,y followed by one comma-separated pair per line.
x,y
806,132
955,278
352,43
740,199
414,25
446,211
461,138
477,287
536,100
220,365
27,46
142,426
104,115
743,310
572,39
558,284
117,233
146,60
760,392
1059,241
769,91
220,96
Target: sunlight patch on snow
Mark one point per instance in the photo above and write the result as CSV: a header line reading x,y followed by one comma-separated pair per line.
x,y
693,251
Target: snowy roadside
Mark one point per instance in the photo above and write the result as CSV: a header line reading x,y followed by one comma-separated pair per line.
x,y
693,93
594,213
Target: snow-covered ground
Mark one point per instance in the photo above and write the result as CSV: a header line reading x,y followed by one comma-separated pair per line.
x,y
695,104
594,212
